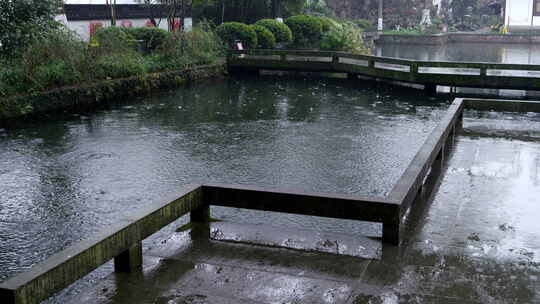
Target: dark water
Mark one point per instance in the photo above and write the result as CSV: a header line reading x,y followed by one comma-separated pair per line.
x,y
471,52
65,178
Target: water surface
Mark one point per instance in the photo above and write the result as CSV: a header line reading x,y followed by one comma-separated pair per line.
x,y
65,178
471,52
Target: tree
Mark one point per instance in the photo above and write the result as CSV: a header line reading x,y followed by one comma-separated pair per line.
x,y
112,6
175,12
461,7
21,21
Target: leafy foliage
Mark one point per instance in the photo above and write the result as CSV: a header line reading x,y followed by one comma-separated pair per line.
x,y
347,37
152,37
232,31
460,8
120,65
318,7
21,21
326,23
366,25
114,39
281,31
307,30
60,58
265,38
55,59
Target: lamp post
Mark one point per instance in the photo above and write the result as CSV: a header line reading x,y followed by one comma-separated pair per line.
x,y
380,20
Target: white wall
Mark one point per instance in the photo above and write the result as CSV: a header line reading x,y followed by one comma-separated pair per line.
x,y
519,13
82,28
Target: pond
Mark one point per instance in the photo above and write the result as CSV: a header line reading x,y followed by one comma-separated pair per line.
x,y
67,177
470,52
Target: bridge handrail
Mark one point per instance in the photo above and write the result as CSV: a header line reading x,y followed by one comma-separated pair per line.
x,y
392,60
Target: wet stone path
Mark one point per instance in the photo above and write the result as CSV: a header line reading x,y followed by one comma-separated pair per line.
x,y
475,240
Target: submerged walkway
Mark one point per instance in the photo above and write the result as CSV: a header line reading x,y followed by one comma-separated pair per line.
x,y
477,240
430,74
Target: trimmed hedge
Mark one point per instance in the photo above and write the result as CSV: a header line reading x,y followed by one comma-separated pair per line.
x,y
265,38
307,30
229,32
281,31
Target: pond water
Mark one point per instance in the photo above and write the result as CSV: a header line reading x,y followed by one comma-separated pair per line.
x,y
65,178
471,52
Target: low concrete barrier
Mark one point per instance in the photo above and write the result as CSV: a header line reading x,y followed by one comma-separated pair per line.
x,y
430,74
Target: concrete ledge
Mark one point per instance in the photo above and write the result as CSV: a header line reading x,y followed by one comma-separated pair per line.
x,y
372,209
433,149
69,265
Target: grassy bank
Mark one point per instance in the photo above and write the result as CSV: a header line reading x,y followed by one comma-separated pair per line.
x,y
91,95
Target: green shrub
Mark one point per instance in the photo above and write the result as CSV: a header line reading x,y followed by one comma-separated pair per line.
x,y
54,45
199,46
53,60
326,23
344,38
23,21
55,74
281,31
119,66
152,37
12,81
306,30
366,25
265,38
114,39
232,31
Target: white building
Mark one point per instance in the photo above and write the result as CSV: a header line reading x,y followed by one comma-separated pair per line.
x,y
522,15
85,18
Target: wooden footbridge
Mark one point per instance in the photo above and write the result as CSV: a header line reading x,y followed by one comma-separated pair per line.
x,y
430,74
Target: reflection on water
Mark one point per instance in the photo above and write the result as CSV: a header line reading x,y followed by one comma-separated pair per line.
x,y
471,52
64,179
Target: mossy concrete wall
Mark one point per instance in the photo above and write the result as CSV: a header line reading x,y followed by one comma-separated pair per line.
x,y
77,97
67,266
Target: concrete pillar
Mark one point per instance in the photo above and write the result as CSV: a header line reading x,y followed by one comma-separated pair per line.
x,y
7,296
129,260
391,233
439,161
431,89
200,222
459,124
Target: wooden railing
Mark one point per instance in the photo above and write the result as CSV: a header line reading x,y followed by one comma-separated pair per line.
x,y
427,73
